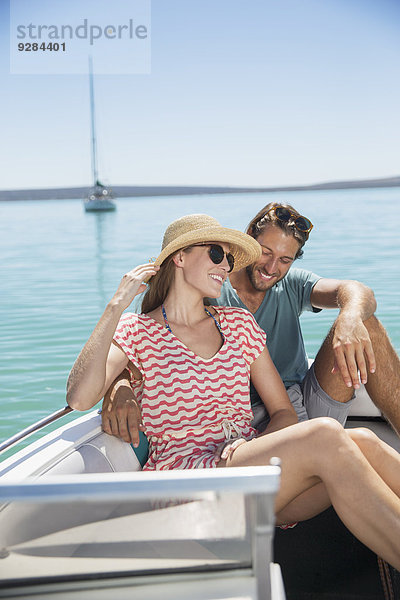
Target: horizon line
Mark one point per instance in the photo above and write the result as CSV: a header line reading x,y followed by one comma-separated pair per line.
x,y
394,179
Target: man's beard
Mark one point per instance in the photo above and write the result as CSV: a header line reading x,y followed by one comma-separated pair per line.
x,y
258,286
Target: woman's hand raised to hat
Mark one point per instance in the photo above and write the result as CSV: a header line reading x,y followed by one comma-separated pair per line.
x,y
134,283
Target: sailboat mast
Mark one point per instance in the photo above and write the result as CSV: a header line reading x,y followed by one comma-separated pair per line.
x,y
92,121
99,197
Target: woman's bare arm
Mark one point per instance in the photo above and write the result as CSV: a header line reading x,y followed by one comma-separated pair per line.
x,y
100,361
272,392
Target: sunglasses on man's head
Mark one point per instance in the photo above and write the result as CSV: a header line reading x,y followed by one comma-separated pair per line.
x,y
217,253
285,215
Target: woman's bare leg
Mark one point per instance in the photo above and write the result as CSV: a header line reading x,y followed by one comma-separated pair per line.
x,y
307,505
382,457
318,451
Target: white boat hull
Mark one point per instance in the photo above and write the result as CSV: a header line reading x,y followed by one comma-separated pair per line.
x,y
75,503
98,204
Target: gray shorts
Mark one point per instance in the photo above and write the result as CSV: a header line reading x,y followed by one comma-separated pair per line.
x,y
310,401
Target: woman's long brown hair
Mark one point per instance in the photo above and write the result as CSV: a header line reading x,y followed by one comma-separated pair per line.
x,y
158,286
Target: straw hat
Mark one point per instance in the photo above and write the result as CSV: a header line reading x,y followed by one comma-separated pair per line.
x,y
194,229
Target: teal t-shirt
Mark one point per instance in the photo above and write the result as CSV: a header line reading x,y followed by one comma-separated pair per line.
x,y
278,315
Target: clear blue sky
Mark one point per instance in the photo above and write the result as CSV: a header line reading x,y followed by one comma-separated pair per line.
x,y
256,92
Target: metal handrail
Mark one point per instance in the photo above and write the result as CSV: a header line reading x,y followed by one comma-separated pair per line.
x,y
135,485
7,444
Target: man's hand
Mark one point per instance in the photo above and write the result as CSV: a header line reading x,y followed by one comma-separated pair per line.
x,y
121,414
224,450
351,343
353,350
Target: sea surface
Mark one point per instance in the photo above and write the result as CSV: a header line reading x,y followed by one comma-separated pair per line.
x,y
59,267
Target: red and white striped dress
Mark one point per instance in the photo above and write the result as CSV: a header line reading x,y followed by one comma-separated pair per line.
x,y
191,404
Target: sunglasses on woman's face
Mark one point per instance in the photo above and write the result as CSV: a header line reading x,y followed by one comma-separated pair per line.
x,y
217,253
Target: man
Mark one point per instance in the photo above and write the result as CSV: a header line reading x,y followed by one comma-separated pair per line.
x,y
356,348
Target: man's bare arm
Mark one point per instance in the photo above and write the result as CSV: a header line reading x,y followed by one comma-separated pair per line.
x,y
351,342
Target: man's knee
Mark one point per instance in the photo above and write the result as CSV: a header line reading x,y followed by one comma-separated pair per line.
x,y
381,344
374,327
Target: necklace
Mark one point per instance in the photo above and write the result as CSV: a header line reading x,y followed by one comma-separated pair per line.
x,y
167,326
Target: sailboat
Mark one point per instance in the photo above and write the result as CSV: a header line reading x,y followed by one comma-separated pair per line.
x,y
99,197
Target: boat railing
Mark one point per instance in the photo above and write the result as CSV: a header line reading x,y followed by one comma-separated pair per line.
x,y
18,437
258,485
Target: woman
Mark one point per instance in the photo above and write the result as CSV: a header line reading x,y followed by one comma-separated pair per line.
x,y
191,364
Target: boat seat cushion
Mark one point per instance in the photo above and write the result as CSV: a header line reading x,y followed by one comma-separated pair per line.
x,y
102,454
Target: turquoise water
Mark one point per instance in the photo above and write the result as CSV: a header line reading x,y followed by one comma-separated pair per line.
x,y
59,266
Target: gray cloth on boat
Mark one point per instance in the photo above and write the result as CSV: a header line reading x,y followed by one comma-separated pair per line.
x,y
309,401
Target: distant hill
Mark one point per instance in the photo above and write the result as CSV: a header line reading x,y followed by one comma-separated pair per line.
x,y
167,190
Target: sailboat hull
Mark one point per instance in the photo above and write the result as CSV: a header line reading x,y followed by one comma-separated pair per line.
x,y
98,204
99,199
